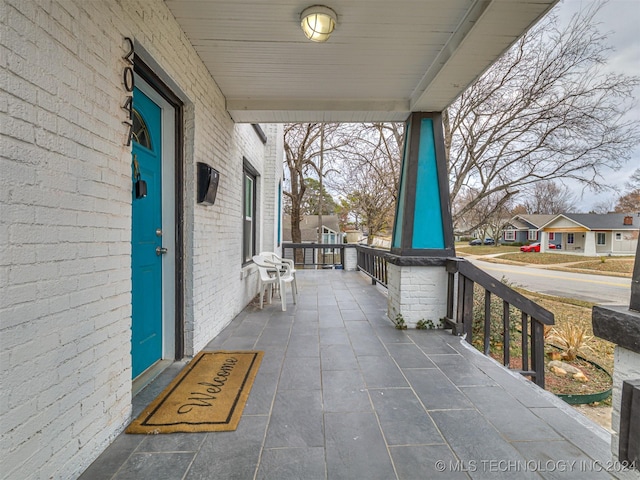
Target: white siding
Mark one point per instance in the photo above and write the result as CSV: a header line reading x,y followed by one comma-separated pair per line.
x,y
626,245
563,223
65,226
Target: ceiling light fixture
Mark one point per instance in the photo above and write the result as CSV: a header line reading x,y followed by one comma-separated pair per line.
x,y
318,22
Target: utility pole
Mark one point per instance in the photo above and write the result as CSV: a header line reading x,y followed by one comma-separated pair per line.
x,y
321,173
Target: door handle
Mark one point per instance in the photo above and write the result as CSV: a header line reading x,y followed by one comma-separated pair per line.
x,y
161,251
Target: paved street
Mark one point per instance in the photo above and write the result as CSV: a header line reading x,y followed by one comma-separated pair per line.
x,y
592,288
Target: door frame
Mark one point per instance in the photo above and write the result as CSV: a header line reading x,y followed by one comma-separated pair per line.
x,y
172,207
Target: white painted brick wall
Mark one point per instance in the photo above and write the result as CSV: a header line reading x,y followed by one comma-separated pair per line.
x,y
63,253
66,213
271,179
418,293
350,259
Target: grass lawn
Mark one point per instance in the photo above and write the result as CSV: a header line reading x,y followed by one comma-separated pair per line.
x,y
542,258
484,249
618,266
615,265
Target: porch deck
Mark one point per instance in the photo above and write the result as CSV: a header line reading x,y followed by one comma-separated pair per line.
x,y
342,394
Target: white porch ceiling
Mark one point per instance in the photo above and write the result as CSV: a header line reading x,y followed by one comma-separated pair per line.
x,y
385,59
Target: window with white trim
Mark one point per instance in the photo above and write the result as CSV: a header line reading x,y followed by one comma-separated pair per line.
x,y
248,214
509,235
570,238
618,236
533,234
601,238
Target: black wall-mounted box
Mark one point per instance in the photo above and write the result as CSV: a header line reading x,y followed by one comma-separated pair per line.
x,y
208,179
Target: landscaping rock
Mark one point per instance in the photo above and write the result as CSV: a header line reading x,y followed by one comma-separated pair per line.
x,y
558,371
565,366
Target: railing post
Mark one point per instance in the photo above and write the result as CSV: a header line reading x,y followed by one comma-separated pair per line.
x,y
525,342
385,277
450,294
537,351
372,268
506,337
467,309
487,322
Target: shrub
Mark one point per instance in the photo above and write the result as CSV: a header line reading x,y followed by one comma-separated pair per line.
x,y
399,322
425,325
572,339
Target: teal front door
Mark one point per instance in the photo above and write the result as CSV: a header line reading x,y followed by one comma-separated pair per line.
x,y
146,235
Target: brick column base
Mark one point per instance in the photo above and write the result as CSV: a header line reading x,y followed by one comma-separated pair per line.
x,y
621,326
417,293
626,367
350,259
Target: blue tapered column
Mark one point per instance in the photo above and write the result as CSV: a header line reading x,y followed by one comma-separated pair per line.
x,y
423,231
423,225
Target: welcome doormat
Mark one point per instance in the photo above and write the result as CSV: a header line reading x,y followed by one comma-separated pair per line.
x,y
207,396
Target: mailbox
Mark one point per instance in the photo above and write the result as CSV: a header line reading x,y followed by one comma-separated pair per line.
x,y
208,179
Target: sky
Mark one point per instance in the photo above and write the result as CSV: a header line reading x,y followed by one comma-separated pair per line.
x,y
622,19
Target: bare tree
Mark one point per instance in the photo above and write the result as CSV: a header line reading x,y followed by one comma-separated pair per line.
x,y
634,180
549,198
545,110
603,206
489,217
629,202
302,145
370,173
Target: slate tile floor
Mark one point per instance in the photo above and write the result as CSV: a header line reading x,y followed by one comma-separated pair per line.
x,y
342,394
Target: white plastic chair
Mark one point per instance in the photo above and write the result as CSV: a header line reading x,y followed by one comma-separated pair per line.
x,y
273,257
274,273
266,279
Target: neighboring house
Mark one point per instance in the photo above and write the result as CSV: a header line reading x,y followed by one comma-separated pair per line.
x,y
309,234
309,229
593,234
462,229
525,229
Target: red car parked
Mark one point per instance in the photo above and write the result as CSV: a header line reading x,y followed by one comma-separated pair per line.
x,y
535,247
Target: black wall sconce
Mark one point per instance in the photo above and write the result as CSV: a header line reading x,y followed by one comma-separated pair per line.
x,y
208,179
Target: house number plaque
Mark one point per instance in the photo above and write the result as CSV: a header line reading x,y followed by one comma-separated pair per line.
x,y
128,81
